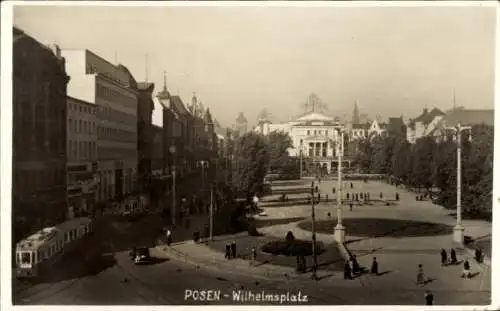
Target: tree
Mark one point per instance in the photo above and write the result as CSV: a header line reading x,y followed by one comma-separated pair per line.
x,y
400,158
364,155
422,162
250,164
278,144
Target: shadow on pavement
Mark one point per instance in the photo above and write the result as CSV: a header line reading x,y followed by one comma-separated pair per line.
x,y
259,223
78,269
374,227
287,183
291,191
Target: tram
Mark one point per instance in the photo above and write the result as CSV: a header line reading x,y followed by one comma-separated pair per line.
x,y
43,250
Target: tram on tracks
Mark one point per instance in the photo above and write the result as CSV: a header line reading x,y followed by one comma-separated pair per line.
x,y
45,249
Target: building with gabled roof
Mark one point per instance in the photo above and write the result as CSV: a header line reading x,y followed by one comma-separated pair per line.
x,y
423,124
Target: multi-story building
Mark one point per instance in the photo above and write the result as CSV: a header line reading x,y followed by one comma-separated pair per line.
x,y
145,136
39,135
113,90
81,157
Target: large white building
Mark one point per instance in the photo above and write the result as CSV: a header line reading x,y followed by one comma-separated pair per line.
x,y
114,92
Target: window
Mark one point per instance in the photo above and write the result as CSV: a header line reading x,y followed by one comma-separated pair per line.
x,y
308,132
25,258
70,124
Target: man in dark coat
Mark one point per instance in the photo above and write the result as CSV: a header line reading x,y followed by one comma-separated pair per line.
x,y
347,271
233,249
227,254
374,269
429,298
453,257
444,257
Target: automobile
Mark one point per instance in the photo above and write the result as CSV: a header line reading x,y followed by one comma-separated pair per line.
x,y
142,255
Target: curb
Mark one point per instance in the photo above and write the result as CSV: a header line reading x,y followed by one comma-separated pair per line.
x,y
216,266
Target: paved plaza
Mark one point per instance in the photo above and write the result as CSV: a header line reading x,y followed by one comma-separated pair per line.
x,y
401,236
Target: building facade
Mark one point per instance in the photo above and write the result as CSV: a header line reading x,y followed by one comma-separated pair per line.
x,y
423,124
114,91
39,135
145,139
82,158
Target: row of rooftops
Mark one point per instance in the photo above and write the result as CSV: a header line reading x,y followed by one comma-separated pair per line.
x,y
455,116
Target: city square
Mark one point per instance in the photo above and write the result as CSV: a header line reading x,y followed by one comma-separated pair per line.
x,y
229,159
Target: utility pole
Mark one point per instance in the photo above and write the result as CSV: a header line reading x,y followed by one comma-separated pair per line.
x,y
339,229
313,221
212,213
300,161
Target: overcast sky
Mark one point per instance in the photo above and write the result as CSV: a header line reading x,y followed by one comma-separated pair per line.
x,y
393,60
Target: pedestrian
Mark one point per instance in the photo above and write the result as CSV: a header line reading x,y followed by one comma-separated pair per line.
x,y
374,269
355,265
381,196
397,196
347,195
233,249
347,271
352,185
478,255
420,275
169,237
253,256
453,257
444,257
466,272
350,207
333,190
357,198
429,298
228,251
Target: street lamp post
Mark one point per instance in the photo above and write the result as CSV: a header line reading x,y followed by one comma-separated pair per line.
x,y
458,230
339,228
211,228
313,225
172,210
300,158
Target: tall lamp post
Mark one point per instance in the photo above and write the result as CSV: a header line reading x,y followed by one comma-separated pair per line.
x,y
458,230
301,150
313,225
339,228
172,210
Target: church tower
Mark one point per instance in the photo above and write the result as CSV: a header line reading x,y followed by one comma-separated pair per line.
x,y
355,114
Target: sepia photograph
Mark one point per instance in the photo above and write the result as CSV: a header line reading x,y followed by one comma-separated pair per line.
x,y
203,153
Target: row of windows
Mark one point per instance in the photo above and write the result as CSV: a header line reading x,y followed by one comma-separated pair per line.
x,y
81,109
112,115
32,180
117,153
81,126
317,132
114,134
116,96
82,150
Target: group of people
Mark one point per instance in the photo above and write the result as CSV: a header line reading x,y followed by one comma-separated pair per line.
x,y
230,251
453,261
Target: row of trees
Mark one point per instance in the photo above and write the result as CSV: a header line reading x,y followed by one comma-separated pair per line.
x,y
432,166
255,155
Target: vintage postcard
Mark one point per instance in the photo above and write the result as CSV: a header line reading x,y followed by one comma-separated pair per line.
x,y
210,153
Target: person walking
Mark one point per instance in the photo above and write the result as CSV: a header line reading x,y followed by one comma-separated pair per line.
x,y
429,298
444,257
466,272
233,249
169,237
352,185
374,269
227,254
355,265
347,271
253,256
453,257
420,275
